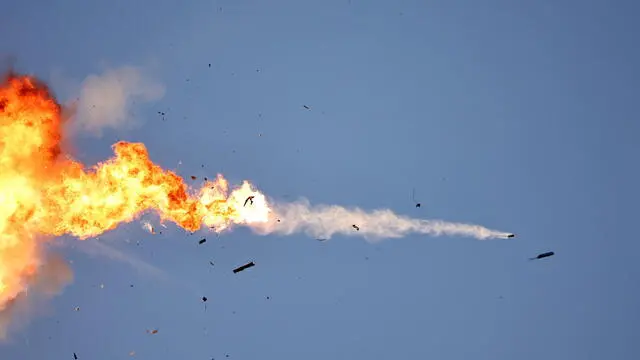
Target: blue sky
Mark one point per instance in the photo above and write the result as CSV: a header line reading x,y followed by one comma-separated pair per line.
x,y
519,116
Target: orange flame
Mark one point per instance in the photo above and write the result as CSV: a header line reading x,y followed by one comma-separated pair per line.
x,y
44,192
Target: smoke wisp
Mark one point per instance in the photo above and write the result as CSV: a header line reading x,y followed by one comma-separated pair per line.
x,y
106,100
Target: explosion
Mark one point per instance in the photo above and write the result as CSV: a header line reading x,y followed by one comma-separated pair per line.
x,y
43,192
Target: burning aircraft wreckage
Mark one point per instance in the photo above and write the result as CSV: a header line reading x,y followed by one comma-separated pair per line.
x,y
44,192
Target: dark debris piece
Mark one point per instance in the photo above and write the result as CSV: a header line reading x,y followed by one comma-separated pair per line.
x,y
211,263
249,199
202,241
193,177
543,255
356,227
306,107
75,356
204,299
243,267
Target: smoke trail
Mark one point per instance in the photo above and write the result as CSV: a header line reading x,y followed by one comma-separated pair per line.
x,y
97,248
324,221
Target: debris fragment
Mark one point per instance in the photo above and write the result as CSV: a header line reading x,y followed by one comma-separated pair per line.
x,y
243,267
306,107
154,331
250,198
202,241
204,300
193,177
211,263
77,308
543,255
356,227
75,356
147,226
511,235
413,197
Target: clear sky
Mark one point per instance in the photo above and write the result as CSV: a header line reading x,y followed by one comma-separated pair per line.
x,y
516,115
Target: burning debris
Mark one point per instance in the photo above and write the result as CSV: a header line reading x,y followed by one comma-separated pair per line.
x,y
86,201
243,267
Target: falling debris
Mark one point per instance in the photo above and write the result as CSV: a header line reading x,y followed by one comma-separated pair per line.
x,y
243,267
543,255
306,107
193,177
249,199
511,235
152,332
77,308
75,356
413,197
202,241
147,226
211,263
204,300
356,227
209,65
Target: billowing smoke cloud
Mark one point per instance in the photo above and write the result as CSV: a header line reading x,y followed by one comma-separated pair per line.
x,y
324,221
106,100
48,282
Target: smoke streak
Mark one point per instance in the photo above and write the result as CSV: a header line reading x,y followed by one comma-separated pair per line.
x,y
325,221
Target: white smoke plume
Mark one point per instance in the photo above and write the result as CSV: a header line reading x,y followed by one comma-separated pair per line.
x,y
324,221
106,100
